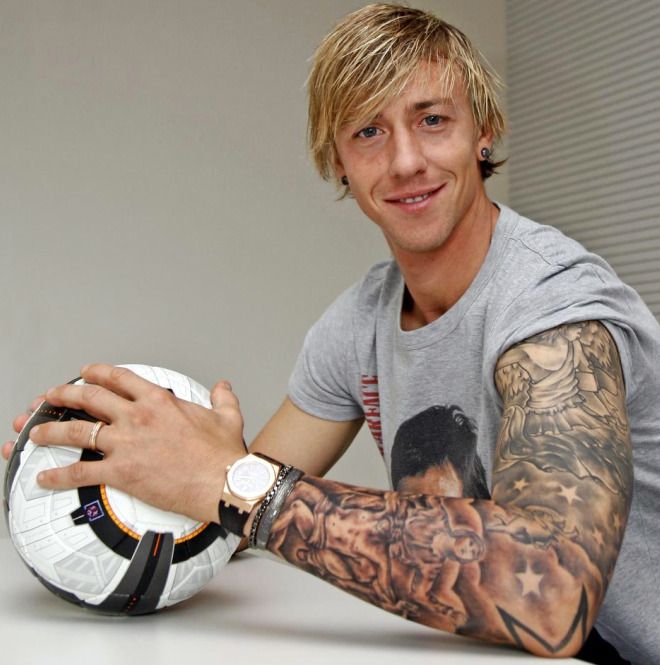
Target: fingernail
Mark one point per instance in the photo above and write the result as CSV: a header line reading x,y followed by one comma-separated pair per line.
x,y
84,368
35,430
227,385
41,477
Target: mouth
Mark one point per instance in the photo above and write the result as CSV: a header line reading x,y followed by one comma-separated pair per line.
x,y
413,199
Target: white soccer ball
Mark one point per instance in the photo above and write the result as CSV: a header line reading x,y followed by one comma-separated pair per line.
x,y
101,548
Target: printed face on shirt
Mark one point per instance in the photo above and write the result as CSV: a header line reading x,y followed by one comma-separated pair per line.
x,y
414,168
435,452
440,479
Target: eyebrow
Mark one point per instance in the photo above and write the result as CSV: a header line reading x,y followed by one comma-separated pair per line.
x,y
440,101
425,104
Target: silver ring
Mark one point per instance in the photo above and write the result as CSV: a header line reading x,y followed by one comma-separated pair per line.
x,y
91,443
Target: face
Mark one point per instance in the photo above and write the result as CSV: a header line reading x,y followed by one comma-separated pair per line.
x,y
440,479
467,548
414,168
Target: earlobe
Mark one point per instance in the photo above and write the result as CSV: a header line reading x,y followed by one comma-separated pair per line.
x,y
486,146
340,173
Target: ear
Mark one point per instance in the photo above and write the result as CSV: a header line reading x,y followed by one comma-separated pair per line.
x,y
340,171
485,140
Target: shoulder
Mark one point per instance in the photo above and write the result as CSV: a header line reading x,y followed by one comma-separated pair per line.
x,y
542,244
550,280
351,317
363,297
542,267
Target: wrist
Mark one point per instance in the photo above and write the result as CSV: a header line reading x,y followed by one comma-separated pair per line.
x,y
248,480
254,492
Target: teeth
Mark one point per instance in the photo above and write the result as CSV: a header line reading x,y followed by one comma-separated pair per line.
x,y
415,199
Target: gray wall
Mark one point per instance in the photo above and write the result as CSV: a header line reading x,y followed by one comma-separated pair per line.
x,y
156,201
588,163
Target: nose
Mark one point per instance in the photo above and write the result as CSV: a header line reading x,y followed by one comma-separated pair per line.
x,y
407,155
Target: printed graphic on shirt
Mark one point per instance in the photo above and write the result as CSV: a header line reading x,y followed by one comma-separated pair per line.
x,y
371,406
435,452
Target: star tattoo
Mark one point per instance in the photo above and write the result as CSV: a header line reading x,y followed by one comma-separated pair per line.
x,y
531,581
569,493
520,485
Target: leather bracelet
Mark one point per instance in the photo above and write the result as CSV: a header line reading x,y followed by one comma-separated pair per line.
x,y
284,471
265,524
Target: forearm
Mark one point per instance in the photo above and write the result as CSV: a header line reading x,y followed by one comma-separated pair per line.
x,y
461,565
305,441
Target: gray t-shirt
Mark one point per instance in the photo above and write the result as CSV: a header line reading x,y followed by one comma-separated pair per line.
x,y
357,362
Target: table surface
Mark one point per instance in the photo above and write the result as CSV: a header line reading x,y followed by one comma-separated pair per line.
x,y
257,610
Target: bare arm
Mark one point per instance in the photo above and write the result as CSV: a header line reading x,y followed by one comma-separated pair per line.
x,y
308,443
529,567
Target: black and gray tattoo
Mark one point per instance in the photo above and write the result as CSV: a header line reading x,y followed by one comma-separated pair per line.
x,y
528,567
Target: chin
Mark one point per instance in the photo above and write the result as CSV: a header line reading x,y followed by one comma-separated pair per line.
x,y
418,245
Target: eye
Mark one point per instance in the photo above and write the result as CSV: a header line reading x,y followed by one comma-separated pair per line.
x,y
367,133
433,120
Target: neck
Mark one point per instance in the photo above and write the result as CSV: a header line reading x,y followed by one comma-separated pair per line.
x,y
436,280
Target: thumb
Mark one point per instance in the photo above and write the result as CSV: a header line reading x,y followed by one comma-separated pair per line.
x,y
225,403
223,395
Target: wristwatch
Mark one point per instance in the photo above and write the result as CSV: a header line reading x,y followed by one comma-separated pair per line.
x,y
247,482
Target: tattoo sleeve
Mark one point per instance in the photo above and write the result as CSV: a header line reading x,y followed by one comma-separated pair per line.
x,y
529,567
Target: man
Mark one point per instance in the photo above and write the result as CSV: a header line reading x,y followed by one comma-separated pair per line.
x,y
527,341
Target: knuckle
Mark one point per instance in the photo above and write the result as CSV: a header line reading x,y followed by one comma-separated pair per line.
x,y
78,473
90,392
128,472
117,374
78,430
160,396
232,416
142,416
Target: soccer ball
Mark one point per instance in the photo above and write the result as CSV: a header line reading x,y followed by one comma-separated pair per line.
x,y
101,548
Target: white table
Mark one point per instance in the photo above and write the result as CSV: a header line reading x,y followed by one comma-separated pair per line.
x,y
258,610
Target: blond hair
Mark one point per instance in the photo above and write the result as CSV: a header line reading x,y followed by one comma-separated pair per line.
x,y
369,58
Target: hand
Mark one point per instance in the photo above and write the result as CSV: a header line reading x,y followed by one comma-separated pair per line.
x,y
163,450
19,424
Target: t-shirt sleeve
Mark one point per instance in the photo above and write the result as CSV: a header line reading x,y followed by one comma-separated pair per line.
x,y
581,292
322,382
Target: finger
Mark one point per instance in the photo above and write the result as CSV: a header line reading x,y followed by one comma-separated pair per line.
x,y
79,474
222,396
77,433
36,403
120,380
21,419
225,402
19,422
7,447
95,400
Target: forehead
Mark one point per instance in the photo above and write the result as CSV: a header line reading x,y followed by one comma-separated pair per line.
x,y
428,84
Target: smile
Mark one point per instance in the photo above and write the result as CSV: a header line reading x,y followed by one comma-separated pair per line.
x,y
415,199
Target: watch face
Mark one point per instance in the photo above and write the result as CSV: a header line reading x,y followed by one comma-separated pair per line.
x,y
250,478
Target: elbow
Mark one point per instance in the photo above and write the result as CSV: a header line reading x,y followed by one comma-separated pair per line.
x,y
558,634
